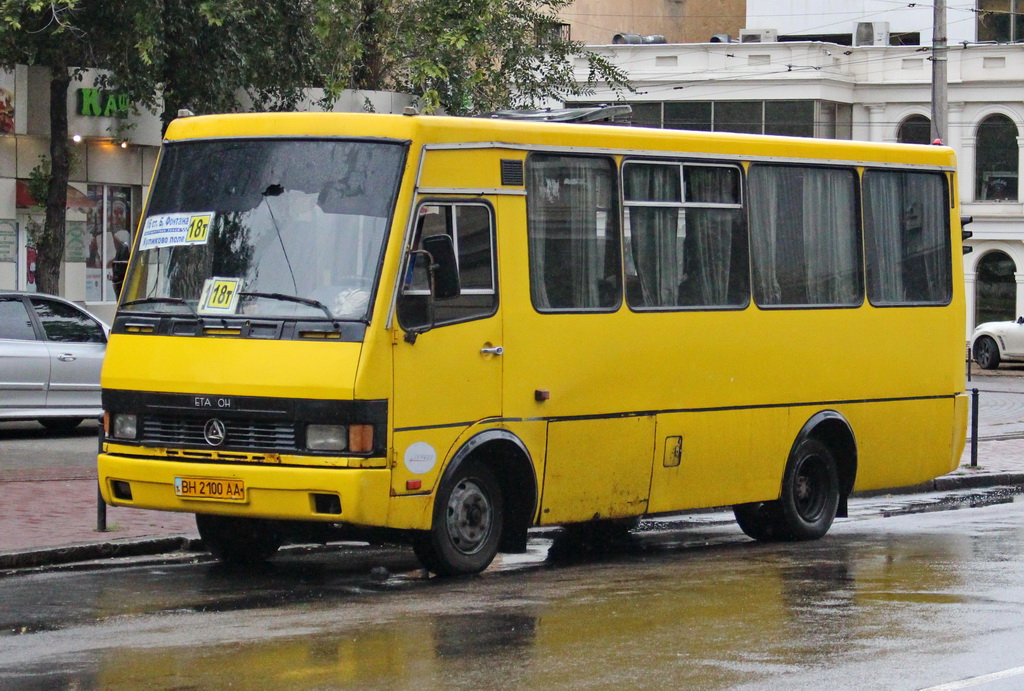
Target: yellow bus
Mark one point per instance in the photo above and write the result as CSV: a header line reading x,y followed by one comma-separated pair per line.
x,y
454,329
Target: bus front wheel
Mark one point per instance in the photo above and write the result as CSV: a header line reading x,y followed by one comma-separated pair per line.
x,y
808,501
238,541
466,530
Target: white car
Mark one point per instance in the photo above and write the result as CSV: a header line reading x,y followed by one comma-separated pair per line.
x,y
51,353
995,342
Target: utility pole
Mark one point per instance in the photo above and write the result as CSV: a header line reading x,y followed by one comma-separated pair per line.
x,y
940,106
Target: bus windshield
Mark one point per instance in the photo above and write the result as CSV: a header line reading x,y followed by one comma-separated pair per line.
x,y
271,228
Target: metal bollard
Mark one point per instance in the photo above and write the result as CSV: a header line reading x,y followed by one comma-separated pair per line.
x,y
968,363
974,428
101,512
101,506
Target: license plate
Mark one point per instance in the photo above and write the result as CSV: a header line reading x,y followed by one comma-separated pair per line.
x,y
220,489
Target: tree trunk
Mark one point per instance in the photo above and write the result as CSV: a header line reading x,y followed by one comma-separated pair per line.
x,y
50,245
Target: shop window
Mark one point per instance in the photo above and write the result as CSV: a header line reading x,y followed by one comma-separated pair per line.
x,y
917,129
107,238
1001,21
997,160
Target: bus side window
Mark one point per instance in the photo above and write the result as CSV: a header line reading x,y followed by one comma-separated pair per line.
x,y
573,233
906,227
471,228
804,236
685,235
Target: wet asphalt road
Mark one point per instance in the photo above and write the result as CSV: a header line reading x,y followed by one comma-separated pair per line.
x,y
899,602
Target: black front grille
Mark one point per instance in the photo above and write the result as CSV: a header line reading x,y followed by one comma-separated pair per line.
x,y
170,430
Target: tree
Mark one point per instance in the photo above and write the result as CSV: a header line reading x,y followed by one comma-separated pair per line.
x,y
465,57
62,35
170,54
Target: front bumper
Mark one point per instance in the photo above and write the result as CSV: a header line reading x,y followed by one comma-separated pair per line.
x,y
277,492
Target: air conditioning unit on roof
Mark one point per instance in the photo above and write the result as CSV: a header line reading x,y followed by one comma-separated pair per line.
x,y
871,34
759,35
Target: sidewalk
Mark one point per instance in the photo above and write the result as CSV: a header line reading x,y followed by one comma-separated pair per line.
x,y
48,515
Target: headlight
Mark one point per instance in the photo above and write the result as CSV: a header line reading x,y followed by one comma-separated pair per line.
x,y
125,426
326,438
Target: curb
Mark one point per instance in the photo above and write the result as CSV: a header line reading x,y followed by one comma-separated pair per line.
x,y
57,556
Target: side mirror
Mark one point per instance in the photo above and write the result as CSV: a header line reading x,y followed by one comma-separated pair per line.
x,y
416,305
444,267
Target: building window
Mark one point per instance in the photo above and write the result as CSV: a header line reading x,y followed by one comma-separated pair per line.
x,y
997,161
917,129
108,236
995,298
1001,21
822,119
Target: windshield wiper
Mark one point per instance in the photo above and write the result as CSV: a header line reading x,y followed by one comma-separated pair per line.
x,y
291,298
162,301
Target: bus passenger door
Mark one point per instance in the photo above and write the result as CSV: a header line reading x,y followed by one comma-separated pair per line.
x,y
450,375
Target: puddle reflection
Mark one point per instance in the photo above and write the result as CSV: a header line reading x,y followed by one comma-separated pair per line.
x,y
633,613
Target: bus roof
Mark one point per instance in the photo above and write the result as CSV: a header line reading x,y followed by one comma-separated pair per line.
x,y
503,133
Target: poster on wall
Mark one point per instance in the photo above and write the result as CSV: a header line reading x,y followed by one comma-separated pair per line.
x,y
75,246
6,101
8,241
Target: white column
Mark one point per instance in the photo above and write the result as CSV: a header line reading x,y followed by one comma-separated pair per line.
x,y
1020,167
1019,277
876,121
970,281
955,129
965,167
954,138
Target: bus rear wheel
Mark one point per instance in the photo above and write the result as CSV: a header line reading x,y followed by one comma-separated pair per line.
x,y
759,520
238,541
808,501
466,530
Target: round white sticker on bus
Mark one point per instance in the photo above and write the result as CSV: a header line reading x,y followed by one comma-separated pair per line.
x,y
420,458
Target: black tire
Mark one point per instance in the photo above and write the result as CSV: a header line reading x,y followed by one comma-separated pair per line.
x,y
239,541
808,501
62,425
810,492
986,353
759,520
469,511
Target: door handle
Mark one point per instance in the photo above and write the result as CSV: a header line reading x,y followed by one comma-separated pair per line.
x,y
496,350
66,357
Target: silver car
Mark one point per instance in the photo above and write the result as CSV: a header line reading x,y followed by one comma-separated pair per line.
x,y
51,353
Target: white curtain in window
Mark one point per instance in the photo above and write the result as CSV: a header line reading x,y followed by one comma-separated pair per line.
x,y
883,211
709,264
830,237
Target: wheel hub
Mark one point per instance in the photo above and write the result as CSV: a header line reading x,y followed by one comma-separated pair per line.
x,y
468,517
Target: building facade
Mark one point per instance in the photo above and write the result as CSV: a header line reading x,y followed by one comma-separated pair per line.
x,y
598,22
807,71
114,154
